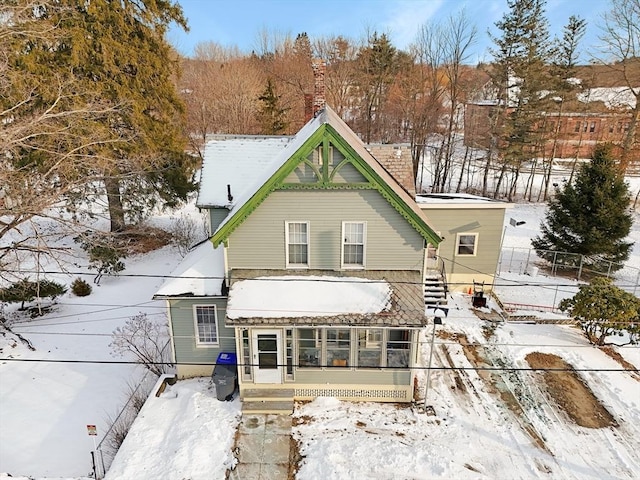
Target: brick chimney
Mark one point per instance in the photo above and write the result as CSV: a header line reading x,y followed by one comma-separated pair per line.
x,y
319,96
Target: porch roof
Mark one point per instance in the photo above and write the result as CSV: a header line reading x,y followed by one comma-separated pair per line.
x,y
346,298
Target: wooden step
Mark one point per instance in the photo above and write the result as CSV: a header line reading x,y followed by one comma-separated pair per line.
x,y
275,407
266,394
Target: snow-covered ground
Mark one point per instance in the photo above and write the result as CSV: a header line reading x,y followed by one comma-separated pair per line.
x,y
45,405
184,433
474,435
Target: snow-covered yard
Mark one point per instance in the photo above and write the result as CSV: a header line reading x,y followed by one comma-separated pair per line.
x,y
45,405
474,434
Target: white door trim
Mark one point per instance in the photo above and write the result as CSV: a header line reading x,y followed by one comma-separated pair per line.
x,y
267,373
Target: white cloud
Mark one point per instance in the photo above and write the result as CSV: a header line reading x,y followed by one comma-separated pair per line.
x,y
407,16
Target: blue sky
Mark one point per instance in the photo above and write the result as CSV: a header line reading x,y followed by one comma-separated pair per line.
x,y
239,22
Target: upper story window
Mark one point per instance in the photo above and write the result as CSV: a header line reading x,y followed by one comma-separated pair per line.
x,y
205,318
353,244
467,244
297,236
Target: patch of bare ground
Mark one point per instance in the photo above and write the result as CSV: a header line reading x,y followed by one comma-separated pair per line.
x,y
496,386
570,392
139,239
294,459
625,364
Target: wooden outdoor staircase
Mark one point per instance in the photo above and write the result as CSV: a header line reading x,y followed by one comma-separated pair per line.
x,y
435,290
267,400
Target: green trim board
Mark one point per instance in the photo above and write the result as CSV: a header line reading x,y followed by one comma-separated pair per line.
x,y
326,136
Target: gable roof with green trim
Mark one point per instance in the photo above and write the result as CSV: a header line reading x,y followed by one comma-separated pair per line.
x,y
327,128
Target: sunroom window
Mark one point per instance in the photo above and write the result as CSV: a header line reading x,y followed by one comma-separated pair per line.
x,y
338,347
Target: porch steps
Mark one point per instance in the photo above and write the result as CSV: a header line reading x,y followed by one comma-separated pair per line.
x,y
265,407
435,291
267,400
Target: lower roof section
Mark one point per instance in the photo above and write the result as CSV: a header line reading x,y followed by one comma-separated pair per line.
x,y
323,298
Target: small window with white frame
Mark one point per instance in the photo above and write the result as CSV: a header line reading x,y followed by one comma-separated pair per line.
x,y
354,236
467,244
297,251
206,323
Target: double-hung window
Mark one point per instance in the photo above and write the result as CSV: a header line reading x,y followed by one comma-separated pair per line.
x,y
297,235
353,244
206,324
467,244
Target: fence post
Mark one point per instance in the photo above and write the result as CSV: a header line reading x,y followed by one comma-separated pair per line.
x,y
526,265
553,267
93,463
513,249
635,289
580,267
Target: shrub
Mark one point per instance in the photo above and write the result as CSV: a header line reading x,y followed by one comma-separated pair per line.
x,y
26,291
104,252
80,288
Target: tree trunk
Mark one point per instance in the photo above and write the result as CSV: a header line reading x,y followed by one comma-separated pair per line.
x,y
114,199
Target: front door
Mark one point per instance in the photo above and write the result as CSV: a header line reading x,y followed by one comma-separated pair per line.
x,y
267,358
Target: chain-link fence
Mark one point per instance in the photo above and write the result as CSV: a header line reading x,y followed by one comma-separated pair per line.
x,y
522,260
119,426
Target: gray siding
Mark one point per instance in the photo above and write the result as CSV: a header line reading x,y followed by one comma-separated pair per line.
x,y
184,335
352,377
216,216
487,223
391,244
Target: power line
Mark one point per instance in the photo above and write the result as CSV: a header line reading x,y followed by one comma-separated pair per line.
x,y
330,367
509,283
419,342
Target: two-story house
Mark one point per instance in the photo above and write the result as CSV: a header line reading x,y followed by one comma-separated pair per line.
x,y
314,275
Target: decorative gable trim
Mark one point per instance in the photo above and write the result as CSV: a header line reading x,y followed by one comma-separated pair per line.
x,y
327,136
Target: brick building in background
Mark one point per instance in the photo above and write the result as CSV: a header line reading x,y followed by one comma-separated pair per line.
x,y
602,112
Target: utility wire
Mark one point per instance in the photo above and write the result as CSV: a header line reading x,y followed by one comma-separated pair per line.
x,y
330,367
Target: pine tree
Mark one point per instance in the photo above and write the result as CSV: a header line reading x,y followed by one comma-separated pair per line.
x,y
589,216
377,64
113,53
271,115
519,74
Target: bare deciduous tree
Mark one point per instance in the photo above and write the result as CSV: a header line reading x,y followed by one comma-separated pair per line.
x,y
147,341
621,50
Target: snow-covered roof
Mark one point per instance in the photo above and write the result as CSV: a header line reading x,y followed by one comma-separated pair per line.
x,y
382,298
199,274
235,161
458,200
271,160
306,296
613,97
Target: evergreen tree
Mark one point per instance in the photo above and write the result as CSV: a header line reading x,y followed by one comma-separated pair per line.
x,y
564,58
519,74
377,64
112,53
271,115
589,216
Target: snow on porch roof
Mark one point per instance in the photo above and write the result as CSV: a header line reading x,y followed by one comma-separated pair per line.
x,y
199,274
393,299
302,296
